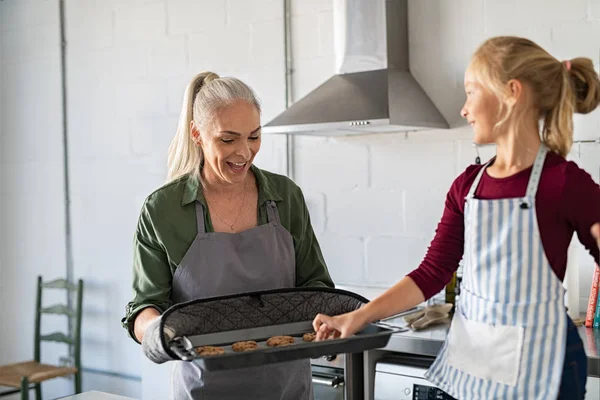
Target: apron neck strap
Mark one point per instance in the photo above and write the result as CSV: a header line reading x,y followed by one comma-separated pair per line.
x,y
200,218
477,179
536,172
532,184
272,213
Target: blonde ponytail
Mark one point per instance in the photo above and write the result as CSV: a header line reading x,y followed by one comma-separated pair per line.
x,y
558,88
206,93
579,93
557,129
184,155
586,85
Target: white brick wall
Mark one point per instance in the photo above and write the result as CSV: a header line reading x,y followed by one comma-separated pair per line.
x,y
319,161
365,212
125,94
128,64
187,17
137,21
594,11
349,253
375,200
383,191
389,258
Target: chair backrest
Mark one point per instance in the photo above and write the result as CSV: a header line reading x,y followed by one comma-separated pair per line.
x,y
73,339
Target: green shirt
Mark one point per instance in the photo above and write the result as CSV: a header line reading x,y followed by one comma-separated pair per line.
x,y
167,227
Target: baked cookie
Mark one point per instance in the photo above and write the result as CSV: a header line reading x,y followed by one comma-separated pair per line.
x,y
244,346
209,350
277,341
309,337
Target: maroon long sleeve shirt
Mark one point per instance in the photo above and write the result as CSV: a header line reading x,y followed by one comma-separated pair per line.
x,y
567,201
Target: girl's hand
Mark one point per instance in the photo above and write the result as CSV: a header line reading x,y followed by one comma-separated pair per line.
x,y
596,232
340,326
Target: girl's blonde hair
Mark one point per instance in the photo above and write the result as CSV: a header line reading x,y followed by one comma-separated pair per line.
x,y
204,95
558,88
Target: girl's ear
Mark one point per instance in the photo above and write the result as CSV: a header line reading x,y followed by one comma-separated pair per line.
x,y
515,90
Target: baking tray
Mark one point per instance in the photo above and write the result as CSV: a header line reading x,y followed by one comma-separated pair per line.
x,y
373,336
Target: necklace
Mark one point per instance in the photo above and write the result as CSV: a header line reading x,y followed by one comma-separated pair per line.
x,y
239,210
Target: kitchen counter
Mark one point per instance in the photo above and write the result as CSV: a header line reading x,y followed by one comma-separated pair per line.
x,y
591,342
429,342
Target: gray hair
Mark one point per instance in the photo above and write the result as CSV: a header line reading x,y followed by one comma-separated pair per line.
x,y
204,95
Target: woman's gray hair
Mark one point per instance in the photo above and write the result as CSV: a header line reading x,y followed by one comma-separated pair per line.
x,y
204,95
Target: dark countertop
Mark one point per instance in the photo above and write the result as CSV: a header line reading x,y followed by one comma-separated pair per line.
x,y
591,342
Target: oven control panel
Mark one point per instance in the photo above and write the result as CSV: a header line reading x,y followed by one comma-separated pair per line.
x,y
422,392
399,382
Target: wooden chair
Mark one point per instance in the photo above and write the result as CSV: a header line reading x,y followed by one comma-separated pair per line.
x,y
28,375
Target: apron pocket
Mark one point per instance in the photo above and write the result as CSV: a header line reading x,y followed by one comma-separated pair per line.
x,y
490,352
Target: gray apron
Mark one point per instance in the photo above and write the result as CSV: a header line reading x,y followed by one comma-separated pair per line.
x,y
219,264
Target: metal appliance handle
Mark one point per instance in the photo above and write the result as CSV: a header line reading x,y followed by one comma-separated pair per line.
x,y
329,381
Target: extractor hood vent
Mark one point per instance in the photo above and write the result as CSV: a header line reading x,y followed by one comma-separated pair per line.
x,y
373,89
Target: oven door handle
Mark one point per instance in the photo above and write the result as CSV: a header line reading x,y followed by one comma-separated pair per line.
x,y
327,380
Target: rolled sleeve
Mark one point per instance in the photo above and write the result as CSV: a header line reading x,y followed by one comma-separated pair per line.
x,y
311,269
152,277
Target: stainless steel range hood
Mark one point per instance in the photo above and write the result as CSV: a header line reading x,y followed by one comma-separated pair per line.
x,y
373,89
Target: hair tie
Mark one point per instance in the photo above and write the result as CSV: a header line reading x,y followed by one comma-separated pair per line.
x,y
567,64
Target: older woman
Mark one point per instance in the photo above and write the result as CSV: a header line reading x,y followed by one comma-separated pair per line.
x,y
222,226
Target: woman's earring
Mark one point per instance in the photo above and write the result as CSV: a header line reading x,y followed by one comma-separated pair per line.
x,y
196,138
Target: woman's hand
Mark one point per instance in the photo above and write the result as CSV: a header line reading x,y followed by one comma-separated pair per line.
x,y
596,232
340,326
152,341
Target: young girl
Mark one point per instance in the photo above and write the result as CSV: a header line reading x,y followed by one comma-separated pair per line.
x,y
511,220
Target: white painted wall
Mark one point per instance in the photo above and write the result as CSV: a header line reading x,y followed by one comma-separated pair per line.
x,y
374,200
31,193
2,266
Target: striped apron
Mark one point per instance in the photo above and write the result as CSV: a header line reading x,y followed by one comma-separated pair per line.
x,y
508,334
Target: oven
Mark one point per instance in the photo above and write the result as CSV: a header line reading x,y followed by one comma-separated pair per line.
x,y
402,378
338,377
328,377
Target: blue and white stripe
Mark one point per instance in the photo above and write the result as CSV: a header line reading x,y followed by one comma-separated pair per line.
x,y
508,281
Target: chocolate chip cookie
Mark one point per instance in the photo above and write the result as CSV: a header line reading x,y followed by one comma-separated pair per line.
x,y
277,341
309,337
244,346
209,350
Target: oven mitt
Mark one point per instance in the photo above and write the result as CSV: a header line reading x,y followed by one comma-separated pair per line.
x,y
432,315
152,343
410,318
443,308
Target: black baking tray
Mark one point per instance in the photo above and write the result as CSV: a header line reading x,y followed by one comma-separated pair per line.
x,y
373,336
